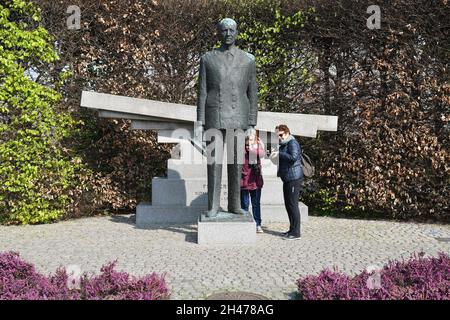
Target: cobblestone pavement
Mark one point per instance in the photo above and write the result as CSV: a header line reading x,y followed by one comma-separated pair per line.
x,y
270,267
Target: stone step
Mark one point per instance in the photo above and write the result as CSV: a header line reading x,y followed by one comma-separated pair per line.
x,y
148,215
193,191
182,169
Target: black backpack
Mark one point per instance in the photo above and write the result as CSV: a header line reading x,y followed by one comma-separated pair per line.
x,y
307,166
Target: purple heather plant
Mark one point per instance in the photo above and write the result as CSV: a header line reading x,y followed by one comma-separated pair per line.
x,y
19,280
418,278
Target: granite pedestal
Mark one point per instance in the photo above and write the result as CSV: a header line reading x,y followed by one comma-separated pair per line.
x,y
226,228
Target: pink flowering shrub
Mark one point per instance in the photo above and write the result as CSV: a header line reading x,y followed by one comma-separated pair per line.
x,y
418,278
20,281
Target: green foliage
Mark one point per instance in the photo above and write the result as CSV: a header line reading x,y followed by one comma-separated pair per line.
x,y
328,201
271,37
36,173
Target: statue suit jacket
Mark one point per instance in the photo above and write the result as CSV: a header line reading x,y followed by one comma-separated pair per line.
x,y
227,90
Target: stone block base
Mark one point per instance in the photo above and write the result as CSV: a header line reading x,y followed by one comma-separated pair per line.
x,y
148,215
226,228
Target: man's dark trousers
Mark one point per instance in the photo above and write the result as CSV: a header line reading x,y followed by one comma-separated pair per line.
x,y
291,193
234,163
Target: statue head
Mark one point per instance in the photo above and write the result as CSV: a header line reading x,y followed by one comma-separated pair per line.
x,y
227,31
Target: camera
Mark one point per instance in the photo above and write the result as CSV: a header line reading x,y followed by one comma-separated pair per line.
x,y
256,169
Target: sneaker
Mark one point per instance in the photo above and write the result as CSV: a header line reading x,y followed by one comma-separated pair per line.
x,y
291,237
259,229
285,234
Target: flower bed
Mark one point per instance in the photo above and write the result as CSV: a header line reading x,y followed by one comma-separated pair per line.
x,y
20,281
418,278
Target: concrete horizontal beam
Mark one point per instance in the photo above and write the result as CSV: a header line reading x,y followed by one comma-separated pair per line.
x,y
160,125
136,106
295,120
122,115
114,106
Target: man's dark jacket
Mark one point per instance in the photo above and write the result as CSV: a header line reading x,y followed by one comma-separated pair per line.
x,y
227,90
289,167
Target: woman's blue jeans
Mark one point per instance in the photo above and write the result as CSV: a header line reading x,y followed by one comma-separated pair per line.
x,y
255,196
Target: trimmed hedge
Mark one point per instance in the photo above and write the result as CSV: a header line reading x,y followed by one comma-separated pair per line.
x,y
37,174
388,86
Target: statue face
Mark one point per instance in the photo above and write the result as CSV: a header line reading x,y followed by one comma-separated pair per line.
x,y
227,34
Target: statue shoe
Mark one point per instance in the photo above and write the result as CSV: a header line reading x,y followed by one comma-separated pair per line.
x,y
238,211
212,213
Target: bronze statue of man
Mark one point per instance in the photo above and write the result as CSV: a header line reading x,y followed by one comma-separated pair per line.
x,y
227,101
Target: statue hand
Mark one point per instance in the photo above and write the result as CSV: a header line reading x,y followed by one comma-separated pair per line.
x,y
199,128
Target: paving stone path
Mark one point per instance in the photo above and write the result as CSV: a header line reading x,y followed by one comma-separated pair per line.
x,y
269,268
